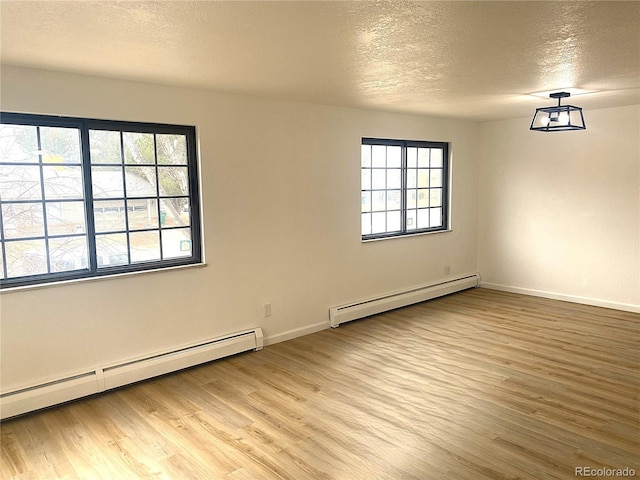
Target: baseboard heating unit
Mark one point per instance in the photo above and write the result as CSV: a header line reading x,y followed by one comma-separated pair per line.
x,y
384,303
97,380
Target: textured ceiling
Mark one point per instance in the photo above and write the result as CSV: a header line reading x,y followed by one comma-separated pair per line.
x,y
477,60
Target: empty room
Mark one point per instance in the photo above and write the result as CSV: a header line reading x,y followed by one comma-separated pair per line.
x,y
339,240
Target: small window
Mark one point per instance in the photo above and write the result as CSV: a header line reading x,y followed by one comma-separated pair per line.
x,y
404,187
83,198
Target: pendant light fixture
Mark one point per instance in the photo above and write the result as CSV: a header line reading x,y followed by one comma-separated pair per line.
x,y
559,118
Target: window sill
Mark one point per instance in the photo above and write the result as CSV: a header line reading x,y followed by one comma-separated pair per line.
x,y
97,279
406,235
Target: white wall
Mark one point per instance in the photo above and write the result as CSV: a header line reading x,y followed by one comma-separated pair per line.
x,y
559,213
280,190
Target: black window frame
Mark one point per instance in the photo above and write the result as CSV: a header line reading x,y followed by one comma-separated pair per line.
x,y
445,199
93,269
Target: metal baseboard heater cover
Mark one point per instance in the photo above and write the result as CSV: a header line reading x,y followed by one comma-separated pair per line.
x,y
98,380
384,303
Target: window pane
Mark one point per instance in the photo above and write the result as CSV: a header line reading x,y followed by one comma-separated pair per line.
x,y
379,179
393,221
107,182
109,216
60,145
378,156
366,179
412,196
436,178
366,202
145,246
68,253
20,182
174,181
394,157
412,178
423,218
365,156
423,198
172,149
412,157
378,222
393,178
18,143
143,214
112,250
176,243
436,158
61,182
378,201
22,220
139,148
423,157
104,146
423,178
393,199
435,217
176,212
435,197
366,223
141,181
27,257
411,219
65,217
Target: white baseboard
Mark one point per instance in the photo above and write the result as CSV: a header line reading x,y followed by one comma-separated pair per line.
x,y
627,307
296,332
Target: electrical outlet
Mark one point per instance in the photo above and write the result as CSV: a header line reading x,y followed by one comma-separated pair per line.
x,y
447,270
267,309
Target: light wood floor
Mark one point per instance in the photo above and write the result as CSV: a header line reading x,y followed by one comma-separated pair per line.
x,y
477,385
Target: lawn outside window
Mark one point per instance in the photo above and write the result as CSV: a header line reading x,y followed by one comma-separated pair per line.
x,y
83,198
404,187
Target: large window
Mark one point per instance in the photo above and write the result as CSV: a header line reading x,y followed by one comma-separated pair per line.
x,y
404,187
82,198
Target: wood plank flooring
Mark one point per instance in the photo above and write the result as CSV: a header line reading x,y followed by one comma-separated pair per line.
x,y
479,385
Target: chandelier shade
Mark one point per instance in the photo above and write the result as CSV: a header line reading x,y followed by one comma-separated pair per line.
x,y
560,118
